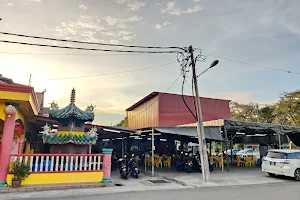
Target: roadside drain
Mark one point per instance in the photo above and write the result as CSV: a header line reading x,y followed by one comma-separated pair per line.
x,y
158,181
118,184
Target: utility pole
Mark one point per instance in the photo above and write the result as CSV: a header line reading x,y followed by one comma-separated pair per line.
x,y
200,128
152,153
30,78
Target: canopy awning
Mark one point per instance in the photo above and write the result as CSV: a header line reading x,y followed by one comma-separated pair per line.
x,y
233,126
256,127
211,133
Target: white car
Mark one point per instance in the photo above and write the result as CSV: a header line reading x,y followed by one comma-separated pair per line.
x,y
282,162
247,152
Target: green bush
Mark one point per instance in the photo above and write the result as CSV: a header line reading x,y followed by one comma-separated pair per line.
x,y
20,170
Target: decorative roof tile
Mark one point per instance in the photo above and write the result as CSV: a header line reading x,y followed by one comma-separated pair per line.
x,y
72,111
65,139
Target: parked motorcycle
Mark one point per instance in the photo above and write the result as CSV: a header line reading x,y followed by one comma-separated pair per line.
x,y
123,168
184,162
133,168
197,164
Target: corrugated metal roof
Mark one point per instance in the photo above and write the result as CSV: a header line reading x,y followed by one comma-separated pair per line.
x,y
143,100
153,94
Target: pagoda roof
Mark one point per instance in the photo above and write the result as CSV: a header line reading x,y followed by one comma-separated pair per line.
x,y
65,139
71,111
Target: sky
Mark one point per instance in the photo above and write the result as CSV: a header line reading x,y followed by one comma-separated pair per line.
x,y
259,32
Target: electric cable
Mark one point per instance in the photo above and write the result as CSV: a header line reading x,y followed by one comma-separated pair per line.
x,y
183,99
94,43
245,63
120,72
87,49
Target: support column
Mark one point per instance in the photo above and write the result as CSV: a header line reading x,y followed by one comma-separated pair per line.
x,y
7,139
106,165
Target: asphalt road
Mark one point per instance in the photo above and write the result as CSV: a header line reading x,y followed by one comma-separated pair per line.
x,y
290,191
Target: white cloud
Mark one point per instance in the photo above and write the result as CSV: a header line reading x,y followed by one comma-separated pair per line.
x,y
121,23
10,4
171,8
196,0
82,7
84,28
122,1
128,38
192,10
134,18
114,41
132,5
111,20
125,32
160,26
135,5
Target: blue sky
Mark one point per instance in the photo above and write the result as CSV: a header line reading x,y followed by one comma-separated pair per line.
x,y
262,32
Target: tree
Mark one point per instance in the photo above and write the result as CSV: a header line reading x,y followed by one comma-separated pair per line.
x,y
288,109
244,112
267,114
252,113
123,123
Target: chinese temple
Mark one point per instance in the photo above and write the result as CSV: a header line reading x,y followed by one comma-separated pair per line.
x,y
71,136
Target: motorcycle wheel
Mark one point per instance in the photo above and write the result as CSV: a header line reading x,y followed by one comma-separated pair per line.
x,y
188,170
177,168
136,176
211,169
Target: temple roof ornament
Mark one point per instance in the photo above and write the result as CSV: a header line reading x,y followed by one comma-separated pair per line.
x,y
72,111
53,105
52,137
90,108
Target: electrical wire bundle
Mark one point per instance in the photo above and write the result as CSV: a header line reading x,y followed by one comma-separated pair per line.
x,y
184,59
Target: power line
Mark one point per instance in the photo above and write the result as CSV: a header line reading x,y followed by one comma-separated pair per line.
x,y
245,63
157,98
120,72
87,49
95,43
65,54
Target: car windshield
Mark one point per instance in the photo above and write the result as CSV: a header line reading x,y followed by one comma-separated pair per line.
x,y
244,151
277,155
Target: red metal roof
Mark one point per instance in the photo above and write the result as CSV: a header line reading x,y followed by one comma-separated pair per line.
x,y
153,94
143,100
166,109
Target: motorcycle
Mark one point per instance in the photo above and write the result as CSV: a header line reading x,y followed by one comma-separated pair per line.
x,y
123,168
133,168
198,166
184,163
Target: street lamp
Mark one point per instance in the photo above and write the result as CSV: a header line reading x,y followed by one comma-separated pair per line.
x,y
211,66
214,63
